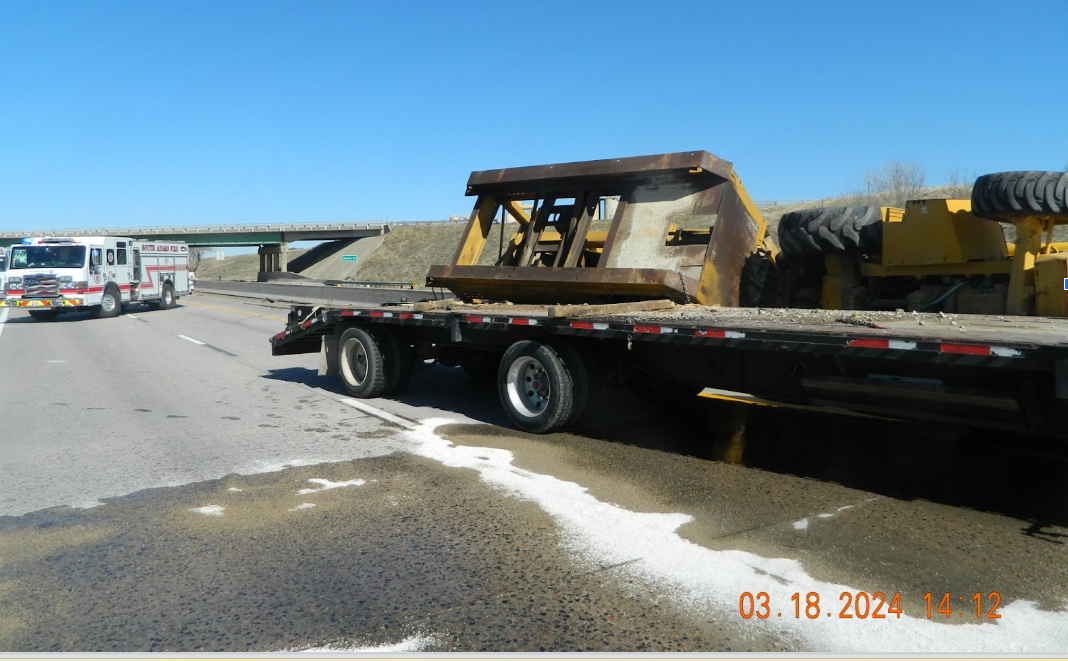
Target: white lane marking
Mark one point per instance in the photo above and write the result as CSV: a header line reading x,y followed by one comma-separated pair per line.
x,y
700,579
132,316
302,506
189,339
57,361
209,510
3,319
326,485
376,412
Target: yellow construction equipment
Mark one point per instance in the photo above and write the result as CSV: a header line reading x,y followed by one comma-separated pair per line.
x,y
937,254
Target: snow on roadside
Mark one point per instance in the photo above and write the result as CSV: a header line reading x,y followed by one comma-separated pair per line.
x,y
410,644
326,485
209,510
704,580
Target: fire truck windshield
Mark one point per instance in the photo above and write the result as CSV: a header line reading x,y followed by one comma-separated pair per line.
x,y
47,257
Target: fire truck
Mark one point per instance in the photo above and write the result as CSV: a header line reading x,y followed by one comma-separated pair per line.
x,y
52,275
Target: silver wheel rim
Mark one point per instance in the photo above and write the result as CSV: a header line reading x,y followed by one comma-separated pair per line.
x,y
354,361
527,386
107,304
168,297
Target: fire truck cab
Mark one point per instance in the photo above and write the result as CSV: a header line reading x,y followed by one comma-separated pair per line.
x,y
51,275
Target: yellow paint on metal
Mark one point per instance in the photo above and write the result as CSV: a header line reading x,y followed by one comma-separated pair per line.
x,y
934,232
1022,277
1051,299
474,239
517,211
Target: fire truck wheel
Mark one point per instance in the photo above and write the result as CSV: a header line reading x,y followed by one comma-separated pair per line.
x,y
360,364
542,385
399,359
44,315
167,299
1009,195
110,303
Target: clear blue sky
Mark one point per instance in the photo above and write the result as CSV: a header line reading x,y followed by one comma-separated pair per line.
x,y
159,113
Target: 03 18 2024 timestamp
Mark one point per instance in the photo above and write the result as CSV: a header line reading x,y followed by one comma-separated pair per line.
x,y
865,605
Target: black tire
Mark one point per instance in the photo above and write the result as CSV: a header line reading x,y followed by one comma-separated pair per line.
x,y
398,359
44,315
481,365
1003,195
360,364
167,298
110,304
540,384
831,230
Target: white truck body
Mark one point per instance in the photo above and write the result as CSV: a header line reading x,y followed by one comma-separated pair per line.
x,y
63,274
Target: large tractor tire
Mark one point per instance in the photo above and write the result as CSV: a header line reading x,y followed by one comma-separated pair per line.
x,y
832,229
1008,195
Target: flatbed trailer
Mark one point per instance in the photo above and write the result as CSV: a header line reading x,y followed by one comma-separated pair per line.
x,y
551,362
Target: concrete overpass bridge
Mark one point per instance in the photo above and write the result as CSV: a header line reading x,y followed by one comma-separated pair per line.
x,y
271,238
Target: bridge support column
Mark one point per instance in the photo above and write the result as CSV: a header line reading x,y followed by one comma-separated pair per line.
x,y
271,259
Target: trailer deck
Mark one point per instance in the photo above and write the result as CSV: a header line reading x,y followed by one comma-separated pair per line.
x,y
994,371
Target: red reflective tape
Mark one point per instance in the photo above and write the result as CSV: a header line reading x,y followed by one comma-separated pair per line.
x,y
377,313
869,343
348,313
476,320
972,349
406,315
710,333
306,324
280,335
522,322
587,325
647,329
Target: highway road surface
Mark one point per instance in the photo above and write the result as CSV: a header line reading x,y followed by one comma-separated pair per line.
x,y
166,485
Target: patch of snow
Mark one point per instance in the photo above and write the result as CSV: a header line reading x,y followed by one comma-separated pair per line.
x,y
209,510
326,485
801,525
302,506
234,489
702,580
410,644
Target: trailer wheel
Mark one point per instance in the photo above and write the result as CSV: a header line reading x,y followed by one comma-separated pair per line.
x,y
832,229
1004,195
543,386
360,364
110,304
398,358
44,315
166,297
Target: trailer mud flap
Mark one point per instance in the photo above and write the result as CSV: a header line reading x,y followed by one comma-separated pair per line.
x,y
328,354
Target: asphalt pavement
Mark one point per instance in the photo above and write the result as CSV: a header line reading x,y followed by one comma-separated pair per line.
x,y
169,486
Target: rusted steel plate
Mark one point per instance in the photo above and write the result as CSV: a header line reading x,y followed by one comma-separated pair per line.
x,y
566,176
561,285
